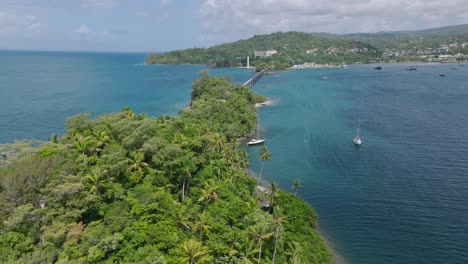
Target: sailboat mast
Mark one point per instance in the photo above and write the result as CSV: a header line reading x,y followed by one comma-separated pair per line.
x,y
358,127
258,126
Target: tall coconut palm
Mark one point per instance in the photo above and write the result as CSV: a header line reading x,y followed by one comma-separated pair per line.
x,y
97,177
195,252
296,185
244,251
102,140
218,166
243,159
201,225
264,155
209,193
261,232
273,194
278,222
294,252
84,144
137,162
187,167
182,217
127,112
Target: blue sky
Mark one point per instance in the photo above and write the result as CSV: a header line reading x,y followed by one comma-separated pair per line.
x,y
159,25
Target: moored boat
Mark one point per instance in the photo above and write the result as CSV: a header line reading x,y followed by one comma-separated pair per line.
x,y
255,141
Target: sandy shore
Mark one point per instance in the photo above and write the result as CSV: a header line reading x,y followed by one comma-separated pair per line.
x,y
337,256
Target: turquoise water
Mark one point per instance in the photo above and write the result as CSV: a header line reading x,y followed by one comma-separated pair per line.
x,y
39,90
402,197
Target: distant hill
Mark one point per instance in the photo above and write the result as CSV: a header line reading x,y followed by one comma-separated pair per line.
x,y
323,48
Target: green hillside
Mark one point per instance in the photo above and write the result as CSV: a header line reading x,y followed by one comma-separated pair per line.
x,y
127,188
324,48
291,47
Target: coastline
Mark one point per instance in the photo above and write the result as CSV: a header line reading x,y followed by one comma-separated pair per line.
x,y
337,257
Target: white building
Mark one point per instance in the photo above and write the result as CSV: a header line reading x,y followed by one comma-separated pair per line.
x,y
264,53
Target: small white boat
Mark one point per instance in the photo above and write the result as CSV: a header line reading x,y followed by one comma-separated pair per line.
x,y
255,141
324,78
357,139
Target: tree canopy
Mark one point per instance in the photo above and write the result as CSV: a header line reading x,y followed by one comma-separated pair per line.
x,y
129,188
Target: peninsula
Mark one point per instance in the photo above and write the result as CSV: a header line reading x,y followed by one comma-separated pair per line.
x,y
130,188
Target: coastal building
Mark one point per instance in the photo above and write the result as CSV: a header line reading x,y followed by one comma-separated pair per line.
x,y
264,53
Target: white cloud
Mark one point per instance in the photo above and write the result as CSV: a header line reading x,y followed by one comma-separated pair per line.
x,y
243,18
100,3
83,30
12,22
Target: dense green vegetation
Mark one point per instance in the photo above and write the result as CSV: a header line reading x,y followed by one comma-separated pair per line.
x,y
291,47
128,188
323,48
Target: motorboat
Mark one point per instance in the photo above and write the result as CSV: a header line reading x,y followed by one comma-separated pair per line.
x,y
255,141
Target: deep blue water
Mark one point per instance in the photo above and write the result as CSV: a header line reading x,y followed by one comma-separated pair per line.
x,y
39,90
402,197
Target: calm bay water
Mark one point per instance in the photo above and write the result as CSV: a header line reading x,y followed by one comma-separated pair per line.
x,y
402,197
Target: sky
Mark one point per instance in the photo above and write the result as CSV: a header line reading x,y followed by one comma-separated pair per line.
x,y
161,25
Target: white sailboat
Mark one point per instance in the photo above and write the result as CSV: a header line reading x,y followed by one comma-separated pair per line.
x,y
256,140
357,139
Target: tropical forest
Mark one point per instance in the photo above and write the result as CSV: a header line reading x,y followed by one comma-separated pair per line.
x,y
131,188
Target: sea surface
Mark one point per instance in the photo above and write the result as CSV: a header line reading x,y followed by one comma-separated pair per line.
x,y
402,197
39,90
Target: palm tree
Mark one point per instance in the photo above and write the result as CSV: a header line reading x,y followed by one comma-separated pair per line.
x,y
264,156
244,159
294,252
278,221
136,162
218,165
187,167
83,144
209,193
244,251
201,225
273,194
261,233
102,139
182,217
195,252
97,177
127,112
296,185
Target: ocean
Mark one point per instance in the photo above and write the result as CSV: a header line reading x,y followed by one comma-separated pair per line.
x,y
401,197
39,90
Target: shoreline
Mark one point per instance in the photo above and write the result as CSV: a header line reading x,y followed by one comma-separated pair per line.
x,y
337,257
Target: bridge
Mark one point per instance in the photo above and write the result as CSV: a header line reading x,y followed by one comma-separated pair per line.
x,y
254,79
